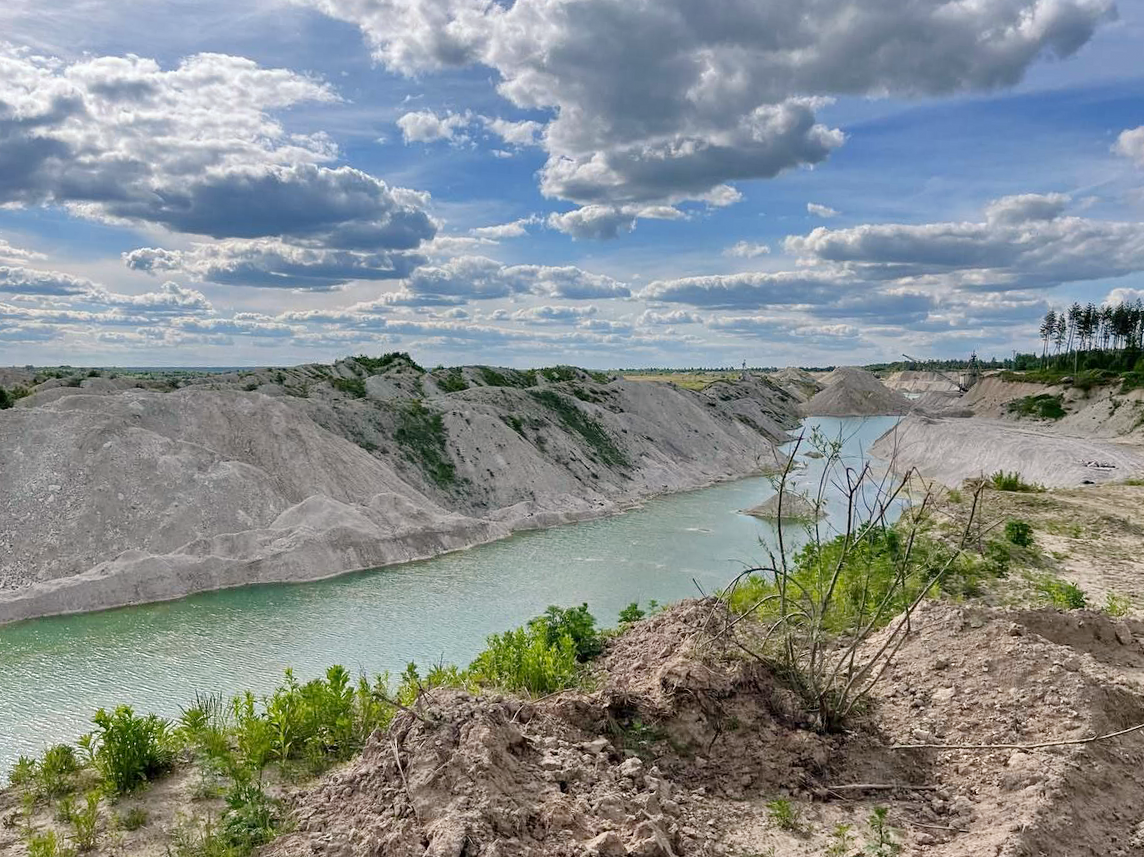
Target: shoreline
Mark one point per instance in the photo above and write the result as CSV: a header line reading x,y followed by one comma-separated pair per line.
x,y
26,606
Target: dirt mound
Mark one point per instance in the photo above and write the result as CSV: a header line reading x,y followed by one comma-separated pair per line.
x,y
854,392
686,744
981,677
798,382
914,381
642,766
794,507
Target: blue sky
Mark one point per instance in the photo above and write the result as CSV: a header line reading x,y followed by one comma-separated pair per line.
x,y
604,182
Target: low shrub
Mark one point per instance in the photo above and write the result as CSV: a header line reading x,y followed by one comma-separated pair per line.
x,y
878,575
1044,406
1019,533
375,365
574,622
631,613
130,749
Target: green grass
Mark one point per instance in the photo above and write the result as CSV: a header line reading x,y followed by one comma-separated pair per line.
x,y
421,433
1043,406
133,819
575,420
870,585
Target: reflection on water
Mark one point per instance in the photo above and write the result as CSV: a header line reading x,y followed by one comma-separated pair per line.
x,y
55,672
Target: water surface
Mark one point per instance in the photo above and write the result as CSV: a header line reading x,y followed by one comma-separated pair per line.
x,y
55,672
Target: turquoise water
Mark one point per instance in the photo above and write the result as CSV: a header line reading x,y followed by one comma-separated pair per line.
x,y
55,672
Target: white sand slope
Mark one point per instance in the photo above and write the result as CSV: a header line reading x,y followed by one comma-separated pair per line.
x,y
953,450
112,496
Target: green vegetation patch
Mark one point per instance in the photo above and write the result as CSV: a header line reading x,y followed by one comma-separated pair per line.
x,y
350,386
421,432
1004,481
1043,405
377,365
879,575
450,381
129,749
1062,594
591,431
9,397
510,378
1019,533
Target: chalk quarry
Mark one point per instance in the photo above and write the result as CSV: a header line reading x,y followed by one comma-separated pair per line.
x,y
131,489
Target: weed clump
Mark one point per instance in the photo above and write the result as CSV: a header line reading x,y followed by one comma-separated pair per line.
x,y
1061,594
1019,533
1117,606
129,749
784,814
1003,481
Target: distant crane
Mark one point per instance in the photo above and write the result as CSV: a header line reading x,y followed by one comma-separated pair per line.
x,y
967,378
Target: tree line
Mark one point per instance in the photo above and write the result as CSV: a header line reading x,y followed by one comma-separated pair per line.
x,y
1081,329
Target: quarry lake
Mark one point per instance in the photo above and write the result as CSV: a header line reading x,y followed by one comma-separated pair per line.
x,y
55,672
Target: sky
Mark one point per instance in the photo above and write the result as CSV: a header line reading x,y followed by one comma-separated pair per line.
x,y
609,183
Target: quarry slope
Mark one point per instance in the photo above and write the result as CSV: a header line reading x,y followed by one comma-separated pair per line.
x,y
124,490
1097,440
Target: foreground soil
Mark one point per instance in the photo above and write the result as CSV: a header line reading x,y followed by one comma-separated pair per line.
x,y
685,740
